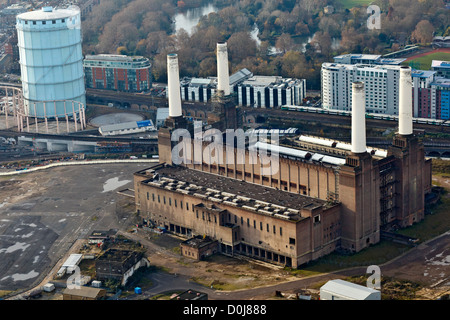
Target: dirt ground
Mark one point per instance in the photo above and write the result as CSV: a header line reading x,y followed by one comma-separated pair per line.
x,y
427,264
425,268
219,271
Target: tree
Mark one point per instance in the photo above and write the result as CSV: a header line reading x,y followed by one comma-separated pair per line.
x,y
423,32
322,42
208,67
294,65
240,46
122,50
285,43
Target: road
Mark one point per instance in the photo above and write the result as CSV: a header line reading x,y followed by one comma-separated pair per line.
x,y
431,257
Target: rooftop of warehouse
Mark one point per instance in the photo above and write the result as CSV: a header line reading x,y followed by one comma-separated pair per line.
x,y
220,189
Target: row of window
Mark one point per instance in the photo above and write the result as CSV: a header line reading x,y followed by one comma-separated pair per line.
x,y
168,201
274,228
34,22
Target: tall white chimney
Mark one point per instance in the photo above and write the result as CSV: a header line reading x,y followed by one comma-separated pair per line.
x,y
405,121
358,118
173,89
223,78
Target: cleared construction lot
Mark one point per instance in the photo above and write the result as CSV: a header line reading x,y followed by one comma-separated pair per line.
x,y
43,213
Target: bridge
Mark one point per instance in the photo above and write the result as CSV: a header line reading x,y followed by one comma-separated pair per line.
x,y
83,143
138,101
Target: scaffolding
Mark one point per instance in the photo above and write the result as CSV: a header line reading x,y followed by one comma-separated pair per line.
x,y
16,114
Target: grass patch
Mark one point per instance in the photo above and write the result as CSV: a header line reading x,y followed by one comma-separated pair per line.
x,y
424,63
165,295
301,272
4,293
348,4
440,167
433,224
391,289
376,254
87,267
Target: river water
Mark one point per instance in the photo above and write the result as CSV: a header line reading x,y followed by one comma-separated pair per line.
x,y
189,19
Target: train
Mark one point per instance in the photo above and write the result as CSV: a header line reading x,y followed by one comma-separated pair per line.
x,y
389,117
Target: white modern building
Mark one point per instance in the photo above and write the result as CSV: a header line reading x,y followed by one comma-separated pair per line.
x,y
130,127
371,59
161,115
250,90
51,61
381,84
271,91
343,290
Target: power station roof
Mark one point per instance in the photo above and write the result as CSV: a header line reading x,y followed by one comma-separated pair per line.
x,y
297,153
49,14
217,188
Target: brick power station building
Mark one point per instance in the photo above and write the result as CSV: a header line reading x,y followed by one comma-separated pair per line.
x,y
324,196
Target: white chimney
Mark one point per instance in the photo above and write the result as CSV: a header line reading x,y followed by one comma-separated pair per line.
x,y
173,89
223,79
405,121
358,118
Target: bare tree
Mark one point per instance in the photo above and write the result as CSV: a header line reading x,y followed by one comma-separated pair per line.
x,y
423,32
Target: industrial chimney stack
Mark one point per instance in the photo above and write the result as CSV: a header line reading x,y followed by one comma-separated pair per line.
x,y
405,123
173,81
223,79
358,118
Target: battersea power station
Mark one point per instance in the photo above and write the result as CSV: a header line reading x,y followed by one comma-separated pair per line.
x,y
284,203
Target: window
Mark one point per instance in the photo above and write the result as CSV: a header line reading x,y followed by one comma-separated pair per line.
x,y
317,219
274,229
281,231
159,199
181,204
291,241
153,196
175,203
164,199
267,227
170,201
148,197
187,205
261,226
